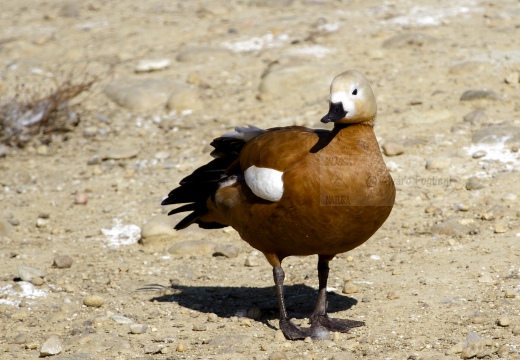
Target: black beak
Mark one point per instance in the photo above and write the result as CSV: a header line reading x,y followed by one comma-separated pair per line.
x,y
336,112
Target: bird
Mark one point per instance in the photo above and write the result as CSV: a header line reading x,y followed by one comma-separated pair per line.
x,y
296,191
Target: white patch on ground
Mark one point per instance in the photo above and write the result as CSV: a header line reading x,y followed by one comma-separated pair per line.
x,y
256,43
11,297
315,50
121,234
264,182
422,16
497,152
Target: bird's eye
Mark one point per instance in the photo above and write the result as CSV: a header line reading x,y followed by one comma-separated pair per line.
x,y
354,92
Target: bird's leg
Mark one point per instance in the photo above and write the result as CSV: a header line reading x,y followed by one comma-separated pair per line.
x,y
319,317
290,330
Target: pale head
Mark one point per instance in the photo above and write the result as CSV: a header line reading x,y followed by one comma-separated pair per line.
x,y
351,100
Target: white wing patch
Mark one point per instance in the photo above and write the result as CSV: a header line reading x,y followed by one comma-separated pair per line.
x,y
245,133
264,182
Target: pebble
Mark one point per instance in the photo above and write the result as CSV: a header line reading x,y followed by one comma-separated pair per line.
x,y
21,338
516,330
510,294
121,319
138,328
141,94
497,135
252,261
186,100
93,301
6,229
80,199
475,183
27,273
229,340
504,321
409,40
512,78
462,207
52,346
158,230
152,65
203,55
62,262
350,288
477,116
120,153
500,228
90,131
212,317
440,163
182,347
42,223
229,251
479,154
162,155
70,9
450,228
392,295
200,327
393,149
277,355
503,351
471,95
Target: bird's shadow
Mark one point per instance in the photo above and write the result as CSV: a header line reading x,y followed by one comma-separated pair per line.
x,y
235,301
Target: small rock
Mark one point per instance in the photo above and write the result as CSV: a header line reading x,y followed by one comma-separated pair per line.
x,y
120,153
90,131
504,321
200,327
52,346
516,329
252,261
138,328
321,333
162,155
468,67
80,199
70,9
512,78
392,296
228,340
503,351
497,135
152,65
38,281
21,338
158,230
393,149
3,150
510,294
350,288
438,163
182,347
121,319
471,95
462,207
62,262
451,228
212,317
27,273
93,301
474,183
500,228
229,251
479,154
42,223
477,116
94,160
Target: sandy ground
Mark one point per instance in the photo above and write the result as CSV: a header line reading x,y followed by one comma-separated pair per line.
x,y
440,279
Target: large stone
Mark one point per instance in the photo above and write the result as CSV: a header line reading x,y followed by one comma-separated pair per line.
x,y
497,134
306,81
141,94
158,229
